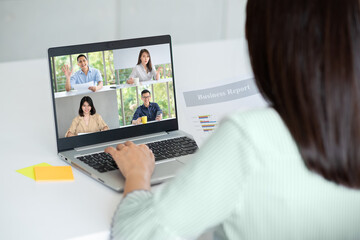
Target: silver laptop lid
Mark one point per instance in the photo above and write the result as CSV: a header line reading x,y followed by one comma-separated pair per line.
x,y
117,102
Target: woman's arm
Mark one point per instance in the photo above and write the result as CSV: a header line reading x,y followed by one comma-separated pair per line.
x,y
69,134
132,75
73,128
203,194
155,73
101,123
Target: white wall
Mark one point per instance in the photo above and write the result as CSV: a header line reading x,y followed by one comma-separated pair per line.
x,y
29,27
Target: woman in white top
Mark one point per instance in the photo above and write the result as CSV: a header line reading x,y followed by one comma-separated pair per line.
x,y
144,70
290,171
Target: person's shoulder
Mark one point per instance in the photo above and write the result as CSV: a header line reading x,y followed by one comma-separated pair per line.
x,y
258,115
257,120
264,127
77,72
253,121
77,118
94,69
96,115
154,104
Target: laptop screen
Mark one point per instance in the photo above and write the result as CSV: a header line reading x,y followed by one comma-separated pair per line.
x,y
110,91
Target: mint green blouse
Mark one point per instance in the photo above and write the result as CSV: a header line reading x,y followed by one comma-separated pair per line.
x,y
248,181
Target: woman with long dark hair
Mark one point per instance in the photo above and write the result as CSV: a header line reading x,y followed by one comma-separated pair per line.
x,y
88,120
144,69
289,171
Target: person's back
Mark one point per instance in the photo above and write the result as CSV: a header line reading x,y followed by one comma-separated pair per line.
x,y
288,172
281,198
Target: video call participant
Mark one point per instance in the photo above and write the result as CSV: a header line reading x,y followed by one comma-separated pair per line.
x,y
149,109
144,70
88,120
84,75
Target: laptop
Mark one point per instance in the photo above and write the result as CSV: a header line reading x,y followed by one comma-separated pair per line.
x,y
81,143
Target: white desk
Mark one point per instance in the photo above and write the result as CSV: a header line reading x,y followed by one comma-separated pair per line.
x,y
78,92
143,83
31,210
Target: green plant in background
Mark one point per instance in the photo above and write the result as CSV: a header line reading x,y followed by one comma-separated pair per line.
x,y
165,70
119,107
168,70
130,104
160,68
160,97
124,74
172,99
95,60
60,61
110,71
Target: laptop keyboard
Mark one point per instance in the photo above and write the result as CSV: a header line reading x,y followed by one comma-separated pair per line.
x,y
171,148
175,147
102,162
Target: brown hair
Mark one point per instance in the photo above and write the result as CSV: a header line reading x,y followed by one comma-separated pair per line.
x,y
306,60
149,64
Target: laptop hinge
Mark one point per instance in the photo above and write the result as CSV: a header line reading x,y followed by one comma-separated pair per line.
x,y
106,144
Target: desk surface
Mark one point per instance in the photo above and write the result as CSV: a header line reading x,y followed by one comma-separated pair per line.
x,y
64,210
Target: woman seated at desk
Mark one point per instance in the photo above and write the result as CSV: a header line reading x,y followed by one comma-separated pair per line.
x,y
290,171
144,70
88,120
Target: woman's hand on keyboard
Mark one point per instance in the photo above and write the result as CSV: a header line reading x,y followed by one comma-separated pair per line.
x,y
136,163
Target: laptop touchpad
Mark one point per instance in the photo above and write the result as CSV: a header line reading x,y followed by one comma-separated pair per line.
x,y
166,169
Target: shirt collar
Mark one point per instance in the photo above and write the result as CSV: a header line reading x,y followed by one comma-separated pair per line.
x,y
150,104
88,71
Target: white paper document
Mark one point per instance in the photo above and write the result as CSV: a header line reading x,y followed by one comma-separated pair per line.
x,y
83,86
204,108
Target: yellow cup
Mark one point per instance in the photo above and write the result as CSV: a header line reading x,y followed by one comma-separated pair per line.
x,y
144,119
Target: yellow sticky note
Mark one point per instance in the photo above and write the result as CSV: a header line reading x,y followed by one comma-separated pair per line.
x,y
53,173
29,171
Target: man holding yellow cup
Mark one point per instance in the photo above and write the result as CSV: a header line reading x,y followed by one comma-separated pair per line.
x,y
144,119
149,111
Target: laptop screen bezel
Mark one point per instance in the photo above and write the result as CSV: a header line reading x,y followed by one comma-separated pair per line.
x,y
70,143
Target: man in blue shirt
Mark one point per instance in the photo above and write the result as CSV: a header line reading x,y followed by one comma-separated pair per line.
x,y
149,109
84,75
